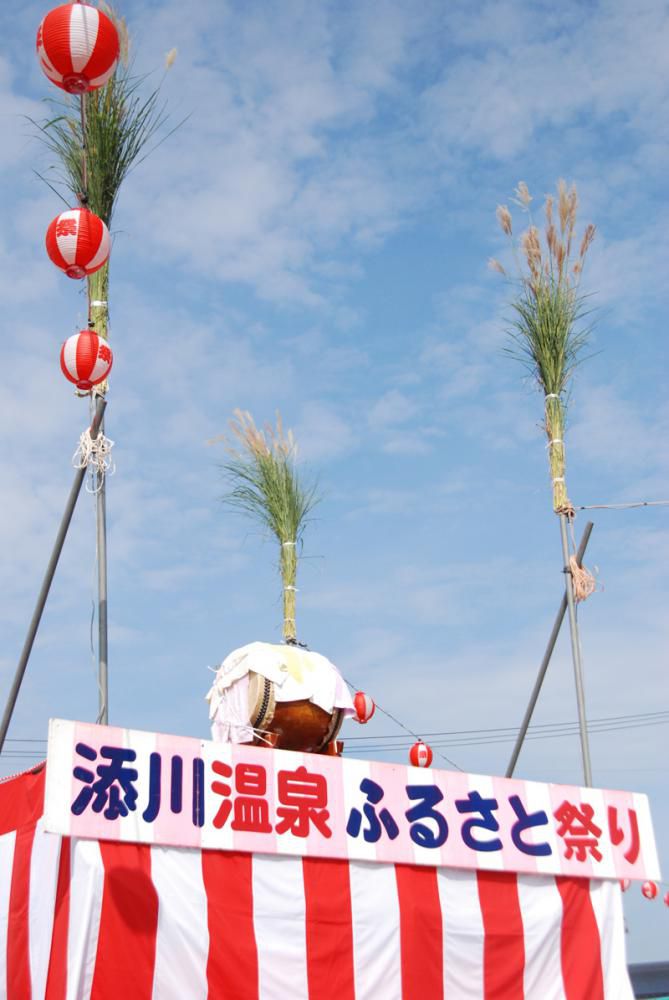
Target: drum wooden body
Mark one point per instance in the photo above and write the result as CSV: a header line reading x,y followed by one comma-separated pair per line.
x,y
290,725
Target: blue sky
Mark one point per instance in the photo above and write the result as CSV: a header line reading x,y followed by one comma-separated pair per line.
x,y
314,239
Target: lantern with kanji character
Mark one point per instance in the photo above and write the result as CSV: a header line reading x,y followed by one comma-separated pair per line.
x,y
364,707
86,359
420,754
649,890
280,696
78,242
77,47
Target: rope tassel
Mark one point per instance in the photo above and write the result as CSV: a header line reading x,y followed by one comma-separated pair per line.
x,y
94,454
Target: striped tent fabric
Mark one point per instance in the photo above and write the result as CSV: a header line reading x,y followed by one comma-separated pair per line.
x,y
101,920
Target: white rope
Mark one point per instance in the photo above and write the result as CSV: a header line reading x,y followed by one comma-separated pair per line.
x,y
94,454
287,544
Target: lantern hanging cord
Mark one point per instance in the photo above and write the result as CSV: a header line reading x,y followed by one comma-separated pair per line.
x,y
94,454
623,506
406,729
83,195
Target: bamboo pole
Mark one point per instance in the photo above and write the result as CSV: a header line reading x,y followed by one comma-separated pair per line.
x,y
576,655
103,654
47,581
583,544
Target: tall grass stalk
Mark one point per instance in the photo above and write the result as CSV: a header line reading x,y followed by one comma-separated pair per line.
x,y
547,331
266,485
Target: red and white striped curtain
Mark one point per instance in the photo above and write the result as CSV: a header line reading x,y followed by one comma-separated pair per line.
x,y
89,919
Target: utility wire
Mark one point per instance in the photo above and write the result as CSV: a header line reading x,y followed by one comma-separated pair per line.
x,y
509,738
514,729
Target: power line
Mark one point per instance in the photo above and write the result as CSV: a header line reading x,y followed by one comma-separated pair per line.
x,y
514,729
488,741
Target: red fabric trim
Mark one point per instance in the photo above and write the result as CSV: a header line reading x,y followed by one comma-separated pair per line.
x,y
19,986
56,984
329,929
504,941
21,800
421,933
128,924
232,965
581,952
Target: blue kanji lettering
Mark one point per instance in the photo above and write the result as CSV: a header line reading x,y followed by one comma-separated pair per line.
x,y
198,792
153,807
176,786
420,833
114,788
372,832
474,803
527,821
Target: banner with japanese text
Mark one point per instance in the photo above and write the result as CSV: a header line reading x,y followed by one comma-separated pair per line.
x,y
119,784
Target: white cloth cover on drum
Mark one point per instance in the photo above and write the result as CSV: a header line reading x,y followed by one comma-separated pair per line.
x,y
297,674
231,721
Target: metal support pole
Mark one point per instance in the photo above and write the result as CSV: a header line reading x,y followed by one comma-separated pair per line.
x,y
576,655
46,583
583,544
101,519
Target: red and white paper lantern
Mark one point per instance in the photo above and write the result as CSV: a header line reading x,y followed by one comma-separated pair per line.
x,y
666,899
86,359
78,242
77,47
420,754
649,890
364,707
625,884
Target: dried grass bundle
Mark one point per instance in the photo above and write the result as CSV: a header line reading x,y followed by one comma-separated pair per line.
x,y
547,334
265,484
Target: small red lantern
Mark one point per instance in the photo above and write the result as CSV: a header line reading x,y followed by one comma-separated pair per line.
x,y
666,899
78,242
364,707
625,884
649,890
86,359
420,754
77,47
